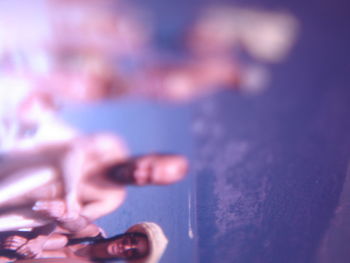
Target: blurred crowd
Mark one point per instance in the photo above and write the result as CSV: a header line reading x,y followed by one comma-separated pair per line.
x,y
55,180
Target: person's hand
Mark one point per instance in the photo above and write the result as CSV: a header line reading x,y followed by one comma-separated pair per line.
x,y
55,209
14,242
32,248
58,209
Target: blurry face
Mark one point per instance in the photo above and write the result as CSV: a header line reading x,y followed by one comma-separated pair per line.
x,y
128,246
159,169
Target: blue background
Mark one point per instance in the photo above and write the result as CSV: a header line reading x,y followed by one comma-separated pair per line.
x,y
149,127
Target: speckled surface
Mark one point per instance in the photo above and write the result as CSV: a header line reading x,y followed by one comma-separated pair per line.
x,y
271,168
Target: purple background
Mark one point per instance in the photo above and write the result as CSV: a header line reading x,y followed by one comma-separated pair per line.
x,y
268,171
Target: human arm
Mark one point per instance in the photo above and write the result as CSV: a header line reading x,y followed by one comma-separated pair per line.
x,y
88,158
72,174
56,209
108,202
28,244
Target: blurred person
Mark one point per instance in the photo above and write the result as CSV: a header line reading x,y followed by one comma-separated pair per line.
x,y
98,50
55,170
89,79
266,35
13,244
75,183
107,27
143,242
93,45
187,80
40,150
72,53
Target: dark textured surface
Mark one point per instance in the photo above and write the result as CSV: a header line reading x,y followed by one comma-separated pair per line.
x,y
271,168
266,192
